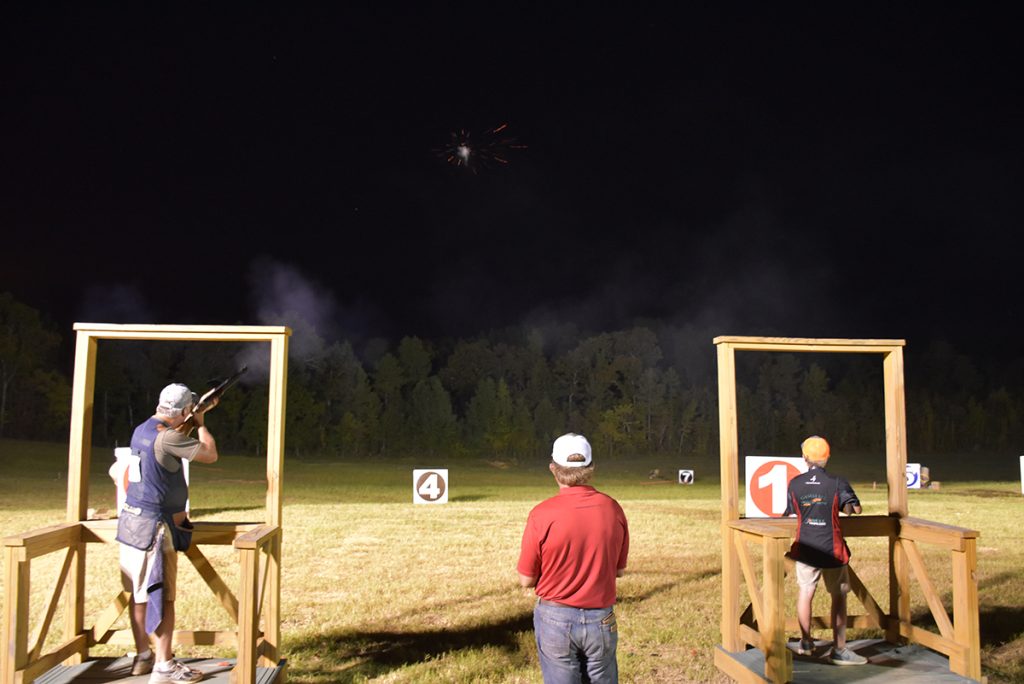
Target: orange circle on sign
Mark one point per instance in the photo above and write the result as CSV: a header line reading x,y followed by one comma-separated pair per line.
x,y
762,496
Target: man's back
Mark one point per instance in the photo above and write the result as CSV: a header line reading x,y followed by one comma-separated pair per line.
x,y
576,543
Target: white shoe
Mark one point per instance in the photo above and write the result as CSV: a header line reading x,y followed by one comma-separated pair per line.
x,y
178,672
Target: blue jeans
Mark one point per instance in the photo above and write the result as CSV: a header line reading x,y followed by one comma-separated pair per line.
x,y
576,645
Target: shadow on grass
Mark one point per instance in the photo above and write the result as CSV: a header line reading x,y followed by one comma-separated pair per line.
x,y
195,513
361,654
998,625
660,589
468,497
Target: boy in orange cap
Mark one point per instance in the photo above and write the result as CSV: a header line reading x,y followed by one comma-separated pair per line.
x,y
816,498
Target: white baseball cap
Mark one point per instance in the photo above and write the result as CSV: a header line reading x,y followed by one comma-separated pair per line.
x,y
174,399
567,445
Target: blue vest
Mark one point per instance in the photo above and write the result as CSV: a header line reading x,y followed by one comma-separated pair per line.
x,y
160,490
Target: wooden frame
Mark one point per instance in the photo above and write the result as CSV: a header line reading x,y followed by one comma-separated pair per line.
x,y
763,624
258,544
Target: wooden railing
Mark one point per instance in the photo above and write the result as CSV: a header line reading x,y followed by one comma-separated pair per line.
x,y
763,625
259,553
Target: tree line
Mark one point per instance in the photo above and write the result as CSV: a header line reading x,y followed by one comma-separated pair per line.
x,y
649,389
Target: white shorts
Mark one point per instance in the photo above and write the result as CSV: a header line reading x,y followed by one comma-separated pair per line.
x,y
837,580
135,565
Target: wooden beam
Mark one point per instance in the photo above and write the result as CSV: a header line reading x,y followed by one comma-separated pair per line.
x,y
744,343
895,432
245,668
205,533
861,621
256,537
934,641
44,540
106,619
51,608
749,635
743,554
931,596
928,532
778,660
213,580
874,612
206,638
185,333
965,611
729,454
277,392
70,648
80,435
17,574
272,597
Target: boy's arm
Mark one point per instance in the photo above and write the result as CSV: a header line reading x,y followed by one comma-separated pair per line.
x,y
848,501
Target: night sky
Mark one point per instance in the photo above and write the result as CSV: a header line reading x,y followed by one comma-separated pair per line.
x,y
847,171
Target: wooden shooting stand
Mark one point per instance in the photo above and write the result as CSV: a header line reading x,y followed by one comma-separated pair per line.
x,y
763,624
258,543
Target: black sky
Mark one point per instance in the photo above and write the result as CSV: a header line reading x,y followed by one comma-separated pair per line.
x,y
744,169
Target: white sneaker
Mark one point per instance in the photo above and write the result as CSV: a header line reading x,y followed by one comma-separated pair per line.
x,y
178,672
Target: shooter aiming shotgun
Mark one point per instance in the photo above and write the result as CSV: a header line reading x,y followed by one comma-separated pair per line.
x,y
208,398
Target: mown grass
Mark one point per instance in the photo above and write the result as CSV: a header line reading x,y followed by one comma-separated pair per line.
x,y
377,589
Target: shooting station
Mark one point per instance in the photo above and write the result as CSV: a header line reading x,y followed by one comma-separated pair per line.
x,y
254,607
753,647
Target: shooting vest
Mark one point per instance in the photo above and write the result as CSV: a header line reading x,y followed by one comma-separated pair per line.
x,y
160,491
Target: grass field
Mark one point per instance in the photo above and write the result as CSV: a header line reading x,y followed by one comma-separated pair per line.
x,y
377,589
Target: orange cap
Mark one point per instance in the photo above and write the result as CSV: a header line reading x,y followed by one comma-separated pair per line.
x,y
815,449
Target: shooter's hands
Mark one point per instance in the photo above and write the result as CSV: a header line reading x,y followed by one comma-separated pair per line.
x,y
203,406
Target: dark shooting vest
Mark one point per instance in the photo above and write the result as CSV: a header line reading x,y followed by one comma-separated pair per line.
x,y
160,494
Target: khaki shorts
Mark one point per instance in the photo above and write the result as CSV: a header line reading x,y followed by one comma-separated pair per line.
x,y
837,580
135,565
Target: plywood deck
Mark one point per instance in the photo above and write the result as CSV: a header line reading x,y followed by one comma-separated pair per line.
x,y
887,664
101,670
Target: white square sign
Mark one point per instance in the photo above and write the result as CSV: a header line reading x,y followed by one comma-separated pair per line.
x,y
430,486
686,477
767,483
913,476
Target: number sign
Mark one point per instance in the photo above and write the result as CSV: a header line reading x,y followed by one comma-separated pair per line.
x,y
430,486
913,476
767,481
686,477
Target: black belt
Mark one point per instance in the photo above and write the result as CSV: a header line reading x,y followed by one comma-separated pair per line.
x,y
556,604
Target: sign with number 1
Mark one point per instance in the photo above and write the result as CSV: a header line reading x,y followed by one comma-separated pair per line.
x,y
767,482
430,486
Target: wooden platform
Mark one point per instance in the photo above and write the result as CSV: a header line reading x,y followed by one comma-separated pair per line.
x,y
887,664
99,670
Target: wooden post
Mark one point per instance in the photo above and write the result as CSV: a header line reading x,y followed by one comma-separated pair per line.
x,y
895,428
729,451
79,456
248,619
16,602
272,608
965,610
275,426
778,661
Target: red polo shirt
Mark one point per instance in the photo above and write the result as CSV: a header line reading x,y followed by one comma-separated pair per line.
x,y
574,544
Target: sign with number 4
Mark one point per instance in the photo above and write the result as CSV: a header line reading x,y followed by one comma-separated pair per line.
x,y
430,486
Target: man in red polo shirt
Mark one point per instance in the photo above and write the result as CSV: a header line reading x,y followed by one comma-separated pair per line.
x,y
574,546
